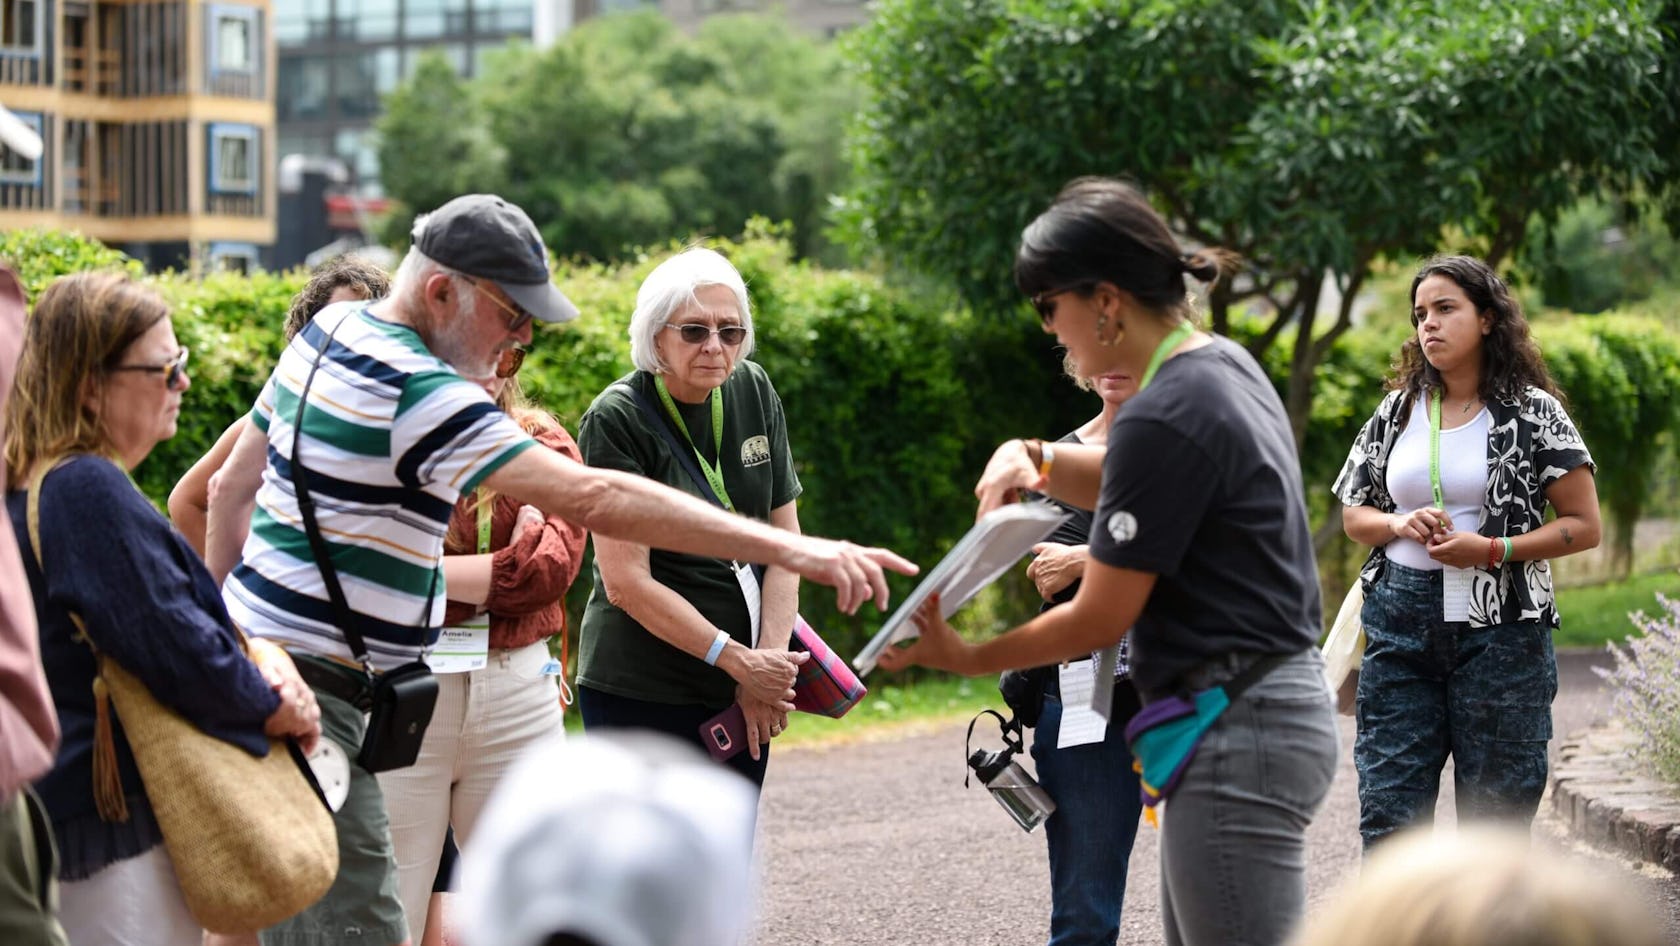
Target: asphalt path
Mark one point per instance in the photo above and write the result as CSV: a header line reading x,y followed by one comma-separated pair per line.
x,y
877,843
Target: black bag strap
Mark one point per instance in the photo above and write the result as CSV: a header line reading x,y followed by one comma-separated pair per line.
x,y
342,614
684,456
1235,686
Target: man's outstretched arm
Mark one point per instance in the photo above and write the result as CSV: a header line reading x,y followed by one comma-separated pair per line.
x,y
636,509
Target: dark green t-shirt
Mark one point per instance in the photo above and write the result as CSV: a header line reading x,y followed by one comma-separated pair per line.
x,y
618,655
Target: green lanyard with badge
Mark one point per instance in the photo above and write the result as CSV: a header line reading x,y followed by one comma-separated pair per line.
x,y
466,646
714,477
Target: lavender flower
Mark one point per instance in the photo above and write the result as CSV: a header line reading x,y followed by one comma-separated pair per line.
x,y
1646,678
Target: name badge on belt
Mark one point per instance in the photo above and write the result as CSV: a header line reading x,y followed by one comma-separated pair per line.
x,y
462,648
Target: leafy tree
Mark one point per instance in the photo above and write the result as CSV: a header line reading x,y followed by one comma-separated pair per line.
x,y
1315,138
433,144
628,132
1600,255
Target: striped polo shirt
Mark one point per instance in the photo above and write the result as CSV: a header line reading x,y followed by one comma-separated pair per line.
x,y
391,437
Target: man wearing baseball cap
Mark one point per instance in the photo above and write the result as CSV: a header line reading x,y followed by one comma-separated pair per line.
x,y
393,431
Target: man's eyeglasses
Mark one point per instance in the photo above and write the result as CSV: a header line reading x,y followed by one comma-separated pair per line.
x,y
508,364
1045,303
174,370
518,318
696,334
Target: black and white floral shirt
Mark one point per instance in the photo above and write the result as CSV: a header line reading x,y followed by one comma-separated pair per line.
x,y
1531,444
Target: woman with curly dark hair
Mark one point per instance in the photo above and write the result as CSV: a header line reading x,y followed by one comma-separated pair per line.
x,y
1448,483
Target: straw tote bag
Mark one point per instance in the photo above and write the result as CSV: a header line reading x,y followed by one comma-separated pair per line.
x,y
251,841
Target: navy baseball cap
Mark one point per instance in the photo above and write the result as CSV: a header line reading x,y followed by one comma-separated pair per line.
x,y
486,237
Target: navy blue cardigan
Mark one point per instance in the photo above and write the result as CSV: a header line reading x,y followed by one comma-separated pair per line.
x,y
150,605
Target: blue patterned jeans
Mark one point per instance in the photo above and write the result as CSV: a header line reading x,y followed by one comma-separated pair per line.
x,y
1429,689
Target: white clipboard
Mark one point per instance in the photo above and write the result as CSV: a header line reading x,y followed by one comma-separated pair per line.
x,y
993,546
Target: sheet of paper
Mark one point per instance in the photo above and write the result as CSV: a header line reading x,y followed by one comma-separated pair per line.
x,y
1081,724
1102,690
749,590
992,546
1455,593
460,649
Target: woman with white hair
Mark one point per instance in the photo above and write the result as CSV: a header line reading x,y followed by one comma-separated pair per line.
x,y
670,640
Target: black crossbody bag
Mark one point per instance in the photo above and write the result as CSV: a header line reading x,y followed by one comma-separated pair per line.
x,y
401,700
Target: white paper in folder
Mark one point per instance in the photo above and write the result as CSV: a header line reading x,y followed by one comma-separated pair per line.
x,y
1000,539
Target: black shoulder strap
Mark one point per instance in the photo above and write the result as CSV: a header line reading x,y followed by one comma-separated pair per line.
x,y
342,614
1251,675
684,456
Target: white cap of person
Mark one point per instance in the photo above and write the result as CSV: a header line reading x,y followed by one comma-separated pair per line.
x,y
629,840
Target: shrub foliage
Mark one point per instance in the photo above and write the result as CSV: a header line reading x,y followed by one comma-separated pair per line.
x,y
894,396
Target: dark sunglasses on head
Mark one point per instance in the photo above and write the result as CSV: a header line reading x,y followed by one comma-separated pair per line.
x,y
508,364
172,370
696,334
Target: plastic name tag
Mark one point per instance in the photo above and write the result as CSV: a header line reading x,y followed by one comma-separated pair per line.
x,y
1455,593
749,590
463,648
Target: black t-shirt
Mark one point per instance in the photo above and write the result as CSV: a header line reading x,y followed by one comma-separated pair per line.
x,y
1216,513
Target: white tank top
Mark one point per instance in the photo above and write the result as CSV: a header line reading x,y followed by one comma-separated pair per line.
x,y
1463,477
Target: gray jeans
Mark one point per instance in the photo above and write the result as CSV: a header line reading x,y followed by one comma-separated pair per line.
x,y
1233,835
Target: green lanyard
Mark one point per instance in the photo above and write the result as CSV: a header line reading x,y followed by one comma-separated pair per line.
x,y
484,511
714,475
1173,340
1435,448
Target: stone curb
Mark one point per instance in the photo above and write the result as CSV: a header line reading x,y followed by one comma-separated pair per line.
x,y
1601,802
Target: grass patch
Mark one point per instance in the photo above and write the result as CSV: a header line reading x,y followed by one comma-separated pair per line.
x,y
1597,614
890,709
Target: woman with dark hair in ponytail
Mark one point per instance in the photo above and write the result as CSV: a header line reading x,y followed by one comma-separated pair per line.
x,y
1199,544
1448,483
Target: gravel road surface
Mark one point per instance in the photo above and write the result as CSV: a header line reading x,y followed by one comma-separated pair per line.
x,y
877,843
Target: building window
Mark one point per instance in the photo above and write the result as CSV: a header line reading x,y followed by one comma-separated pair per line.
x,y
233,159
20,26
238,258
233,40
14,167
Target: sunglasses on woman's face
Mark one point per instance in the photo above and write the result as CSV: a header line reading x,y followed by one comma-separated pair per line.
x,y
696,334
508,364
1045,303
174,370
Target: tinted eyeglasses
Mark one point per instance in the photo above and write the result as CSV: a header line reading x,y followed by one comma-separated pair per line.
x,y
508,364
1045,303
696,334
174,370
518,318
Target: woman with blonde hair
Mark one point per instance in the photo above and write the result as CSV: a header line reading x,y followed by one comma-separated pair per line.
x,y
98,386
1483,886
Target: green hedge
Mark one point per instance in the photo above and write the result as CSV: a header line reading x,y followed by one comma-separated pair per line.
x,y
895,396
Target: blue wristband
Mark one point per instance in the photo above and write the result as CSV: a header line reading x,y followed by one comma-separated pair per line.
x,y
718,643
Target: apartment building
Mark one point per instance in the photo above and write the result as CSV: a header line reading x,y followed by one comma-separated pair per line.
x,y
157,118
